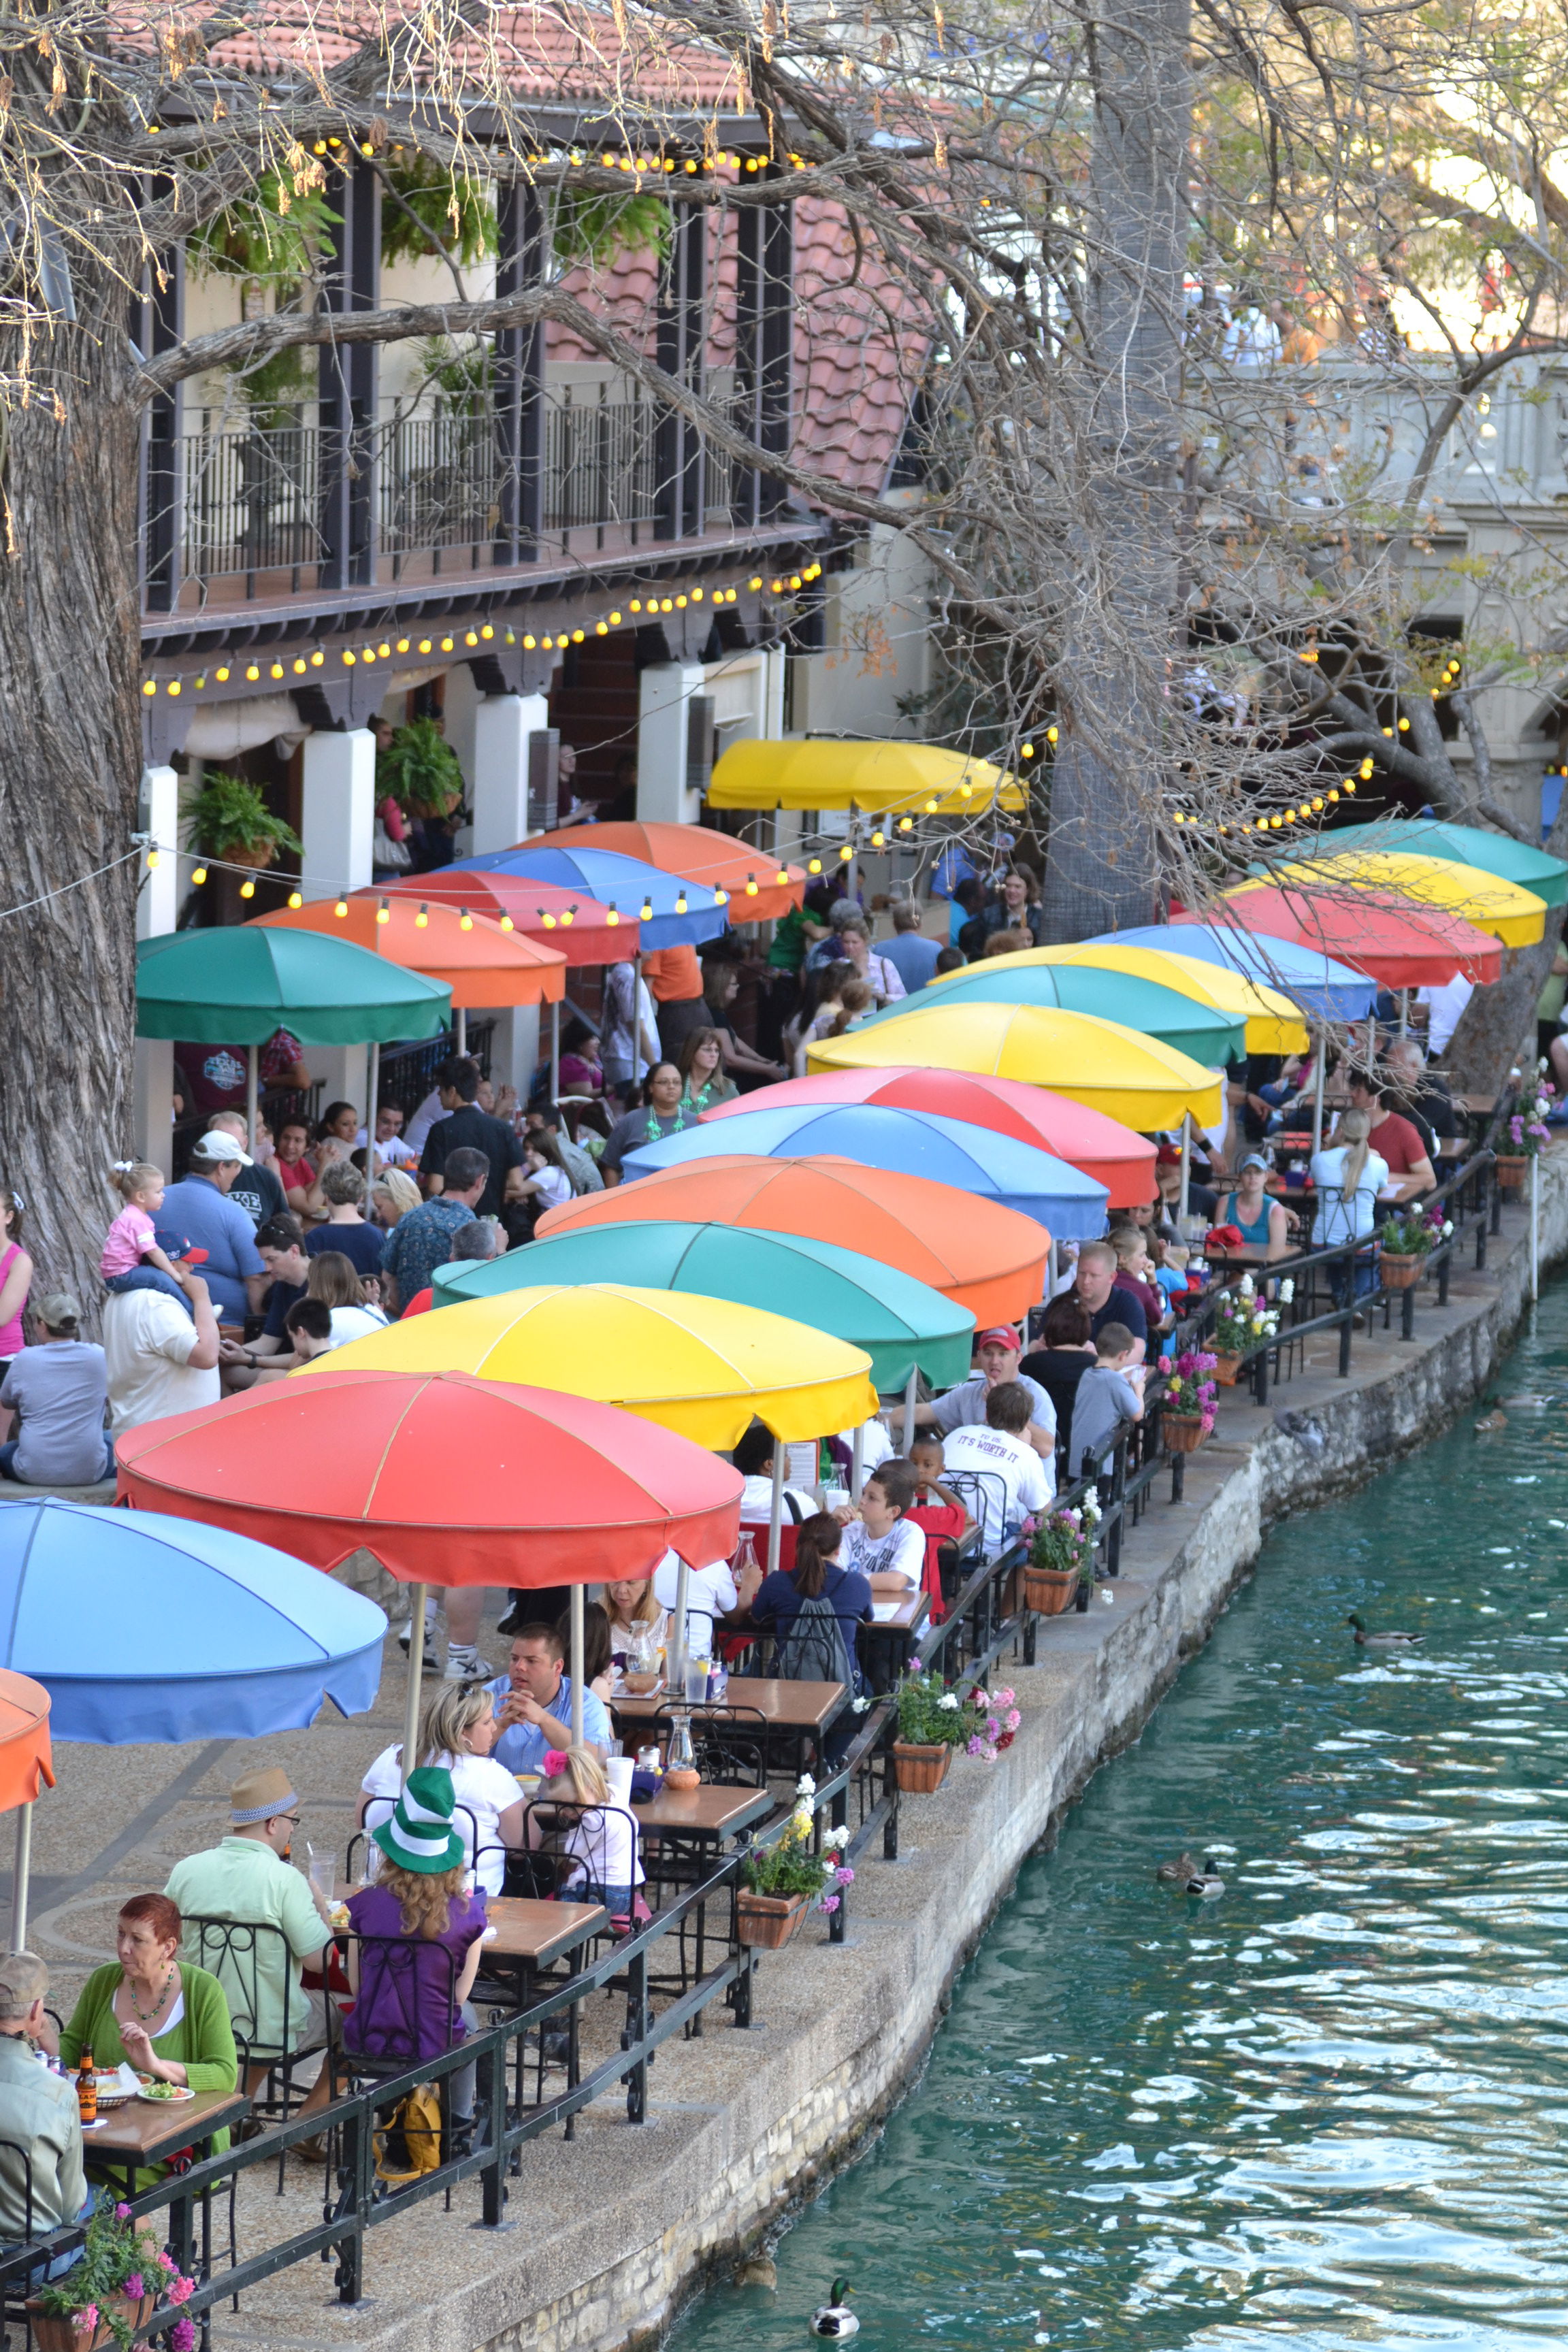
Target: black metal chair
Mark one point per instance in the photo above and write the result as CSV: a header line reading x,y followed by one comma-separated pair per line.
x,y
407,1995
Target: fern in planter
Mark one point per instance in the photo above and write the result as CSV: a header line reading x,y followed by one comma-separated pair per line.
x,y
229,819
434,208
420,770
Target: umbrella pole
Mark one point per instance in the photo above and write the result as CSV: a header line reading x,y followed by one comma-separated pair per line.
x,y
1186,1171
373,1088
19,1884
415,1666
775,1508
858,1463
577,1642
912,1389
555,1053
1318,1092
1404,1012
675,1648
252,1061
461,1019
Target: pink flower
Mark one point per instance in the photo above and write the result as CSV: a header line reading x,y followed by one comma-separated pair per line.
x,y
555,1762
85,2319
1002,1698
183,2336
975,1746
1013,1718
181,2289
136,2286
122,2213
166,2261
830,1903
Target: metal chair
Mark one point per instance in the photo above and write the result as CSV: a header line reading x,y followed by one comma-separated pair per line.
x,y
255,1964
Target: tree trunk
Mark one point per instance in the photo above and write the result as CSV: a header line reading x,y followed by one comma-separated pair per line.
x,y
69,769
1102,864
1497,1028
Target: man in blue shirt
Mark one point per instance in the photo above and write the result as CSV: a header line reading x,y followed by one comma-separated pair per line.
x,y
422,1241
197,1214
533,1703
912,957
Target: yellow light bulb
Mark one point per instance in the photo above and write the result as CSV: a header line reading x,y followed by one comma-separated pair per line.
x,y
1050,734
403,644
348,659
425,645
1366,771
174,685
637,605
697,595
1404,725
422,919
648,911
299,666
221,676
151,860
471,638
601,629
1349,785
385,651
276,669
878,840
612,917
751,886
341,909
384,913
721,898
368,655
566,918
680,904
680,603
577,635
149,687
1177,818
447,644
814,866
465,920
847,851
1025,750
906,824
529,643
248,889
1317,804
615,620
317,658
666,606
295,899
754,583
199,877
253,673
1333,799
795,580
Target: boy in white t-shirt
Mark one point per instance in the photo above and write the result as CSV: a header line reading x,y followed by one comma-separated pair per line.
x,y
1007,1479
879,1543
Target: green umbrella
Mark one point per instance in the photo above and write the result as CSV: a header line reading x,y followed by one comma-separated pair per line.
x,y
904,1325
1211,1037
1456,844
234,986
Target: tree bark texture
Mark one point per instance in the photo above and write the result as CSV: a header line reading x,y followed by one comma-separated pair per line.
x,y
69,772
1102,868
1497,1026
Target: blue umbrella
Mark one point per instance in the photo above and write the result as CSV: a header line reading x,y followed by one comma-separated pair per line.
x,y
684,913
906,1142
1331,991
144,1627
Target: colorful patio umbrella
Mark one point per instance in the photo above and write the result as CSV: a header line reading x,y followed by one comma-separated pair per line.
x,y
1115,1156
1515,917
242,1634
1459,845
973,1159
1403,946
702,1367
1132,1078
476,960
25,1767
575,926
761,887
919,778
1327,989
983,1256
902,1325
1273,1024
1147,1006
673,910
234,986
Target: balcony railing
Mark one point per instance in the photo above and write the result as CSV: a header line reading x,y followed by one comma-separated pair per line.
x,y
249,499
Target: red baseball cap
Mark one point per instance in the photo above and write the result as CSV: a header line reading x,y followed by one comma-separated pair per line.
x,y
1001,1335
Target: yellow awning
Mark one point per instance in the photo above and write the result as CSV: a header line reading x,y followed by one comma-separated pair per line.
x,y
912,778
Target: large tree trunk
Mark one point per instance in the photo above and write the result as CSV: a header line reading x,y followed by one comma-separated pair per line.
x,y
1497,1028
69,768
1103,866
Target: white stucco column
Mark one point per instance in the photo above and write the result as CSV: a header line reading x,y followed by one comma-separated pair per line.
x,y
515,1050
157,910
502,725
339,811
665,693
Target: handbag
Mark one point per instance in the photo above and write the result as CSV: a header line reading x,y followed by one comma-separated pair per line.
x,y
384,851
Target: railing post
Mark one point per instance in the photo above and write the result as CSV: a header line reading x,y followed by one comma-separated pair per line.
x,y
346,386
1345,1331
355,2183
890,1791
838,1815
1407,1314
519,380
635,2037
1260,1378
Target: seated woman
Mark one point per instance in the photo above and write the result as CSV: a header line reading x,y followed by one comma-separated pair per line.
x,y
638,1625
1065,1353
154,2010
582,1071
413,2008
601,1843
701,1066
818,1574
598,1658
457,1732
1261,1221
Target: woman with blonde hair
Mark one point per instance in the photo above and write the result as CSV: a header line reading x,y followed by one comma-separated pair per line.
x,y
1347,1178
637,1625
393,1195
457,1732
599,1836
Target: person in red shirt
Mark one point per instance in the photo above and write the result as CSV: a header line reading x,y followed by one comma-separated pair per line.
x,y
938,1515
1395,1140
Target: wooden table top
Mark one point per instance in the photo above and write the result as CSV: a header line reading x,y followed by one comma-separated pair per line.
x,y
145,2131
710,1812
800,1707
911,1612
540,1932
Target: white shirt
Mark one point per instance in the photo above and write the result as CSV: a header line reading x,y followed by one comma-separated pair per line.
x,y
964,1407
1333,1220
396,1152
883,978
553,1185
1444,1007
757,1501
1013,1481
877,1447
617,1043
709,1593
606,1846
148,1340
901,1552
481,1786
416,1133
355,1323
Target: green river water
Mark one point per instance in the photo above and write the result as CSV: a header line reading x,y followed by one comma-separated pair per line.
x,y
1326,2110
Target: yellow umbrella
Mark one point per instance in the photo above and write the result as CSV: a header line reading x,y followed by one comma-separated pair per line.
x,y
701,1367
1274,1024
923,779
1136,1079
1516,916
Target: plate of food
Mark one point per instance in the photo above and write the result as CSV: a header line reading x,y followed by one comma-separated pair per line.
x,y
165,2093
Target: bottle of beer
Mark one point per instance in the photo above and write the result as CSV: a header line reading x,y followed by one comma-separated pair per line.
x,y
87,2088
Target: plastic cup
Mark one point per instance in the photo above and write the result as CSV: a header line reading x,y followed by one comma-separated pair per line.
x,y
618,1773
696,1681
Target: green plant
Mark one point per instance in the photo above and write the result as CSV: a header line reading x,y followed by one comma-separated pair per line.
x,y
591,231
430,207
272,234
460,373
1411,1233
120,2267
275,389
229,814
1243,1322
420,770
788,1867
1064,1545
980,1722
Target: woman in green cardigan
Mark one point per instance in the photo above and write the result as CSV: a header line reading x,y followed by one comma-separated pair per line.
x,y
167,2019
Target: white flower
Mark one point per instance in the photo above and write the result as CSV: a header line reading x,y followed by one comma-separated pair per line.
x,y
805,1786
1287,1291
1447,1228
1108,1596
948,1703
837,1839
1246,1285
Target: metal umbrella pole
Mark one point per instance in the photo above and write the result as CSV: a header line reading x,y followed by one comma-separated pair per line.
x,y
21,1882
775,1508
416,1669
555,1052
858,1463
577,1645
675,1648
1317,1093
373,1084
460,1019
1186,1170
252,1090
912,1398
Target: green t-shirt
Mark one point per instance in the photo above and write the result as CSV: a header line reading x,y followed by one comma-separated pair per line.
x,y
787,953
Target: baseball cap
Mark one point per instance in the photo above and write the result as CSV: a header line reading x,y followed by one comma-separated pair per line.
x,y
1001,1335
217,1145
58,1308
1252,1159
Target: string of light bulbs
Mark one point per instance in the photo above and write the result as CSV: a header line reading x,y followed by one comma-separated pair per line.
x,y
1319,803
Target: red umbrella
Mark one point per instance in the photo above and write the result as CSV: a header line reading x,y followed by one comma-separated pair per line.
x,y
579,929
760,889
449,1480
1391,940
1102,1148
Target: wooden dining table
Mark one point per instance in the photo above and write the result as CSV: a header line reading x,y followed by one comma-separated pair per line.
x,y
145,2132
787,1717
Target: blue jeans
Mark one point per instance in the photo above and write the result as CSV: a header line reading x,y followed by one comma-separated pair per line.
x,y
149,1277
1365,1280
8,1459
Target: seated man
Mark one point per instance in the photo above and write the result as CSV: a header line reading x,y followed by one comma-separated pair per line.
x,y
533,1703
38,2115
246,1878
997,1352
999,1467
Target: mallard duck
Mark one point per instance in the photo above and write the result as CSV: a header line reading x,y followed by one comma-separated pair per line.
x,y
1177,1873
1365,1641
1207,1881
835,2317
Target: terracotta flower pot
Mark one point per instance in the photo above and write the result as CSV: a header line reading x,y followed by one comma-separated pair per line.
x,y
768,1921
1398,1273
1510,1171
1048,1590
250,853
1225,1368
919,1770
53,2334
1183,1432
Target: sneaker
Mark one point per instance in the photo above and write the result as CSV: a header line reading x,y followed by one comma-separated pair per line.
x,y
514,1620
464,1664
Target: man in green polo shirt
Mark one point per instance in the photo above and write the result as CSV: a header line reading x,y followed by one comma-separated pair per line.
x,y
247,1878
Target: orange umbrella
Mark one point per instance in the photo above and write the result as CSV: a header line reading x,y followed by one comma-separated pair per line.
x,y
981,1256
480,962
24,1768
579,928
761,889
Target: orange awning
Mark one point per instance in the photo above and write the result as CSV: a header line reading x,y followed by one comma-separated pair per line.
x,y
25,1765
480,962
701,854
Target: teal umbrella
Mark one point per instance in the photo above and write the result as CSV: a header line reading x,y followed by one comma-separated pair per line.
x,y
904,1325
1210,1035
1456,844
234,986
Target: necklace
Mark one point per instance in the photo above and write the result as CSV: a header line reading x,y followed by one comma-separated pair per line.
x,y
146,2015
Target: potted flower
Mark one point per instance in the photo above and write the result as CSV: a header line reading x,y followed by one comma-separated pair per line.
x,y
420,771
230,821
1405,1242
930,1726
995,1720
112,2290
1242,1323
786,1879
1190,1403
1060,1546
1525,1134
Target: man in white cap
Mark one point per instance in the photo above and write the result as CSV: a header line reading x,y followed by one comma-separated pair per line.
x,y
246,1879
198,1213
40,2125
